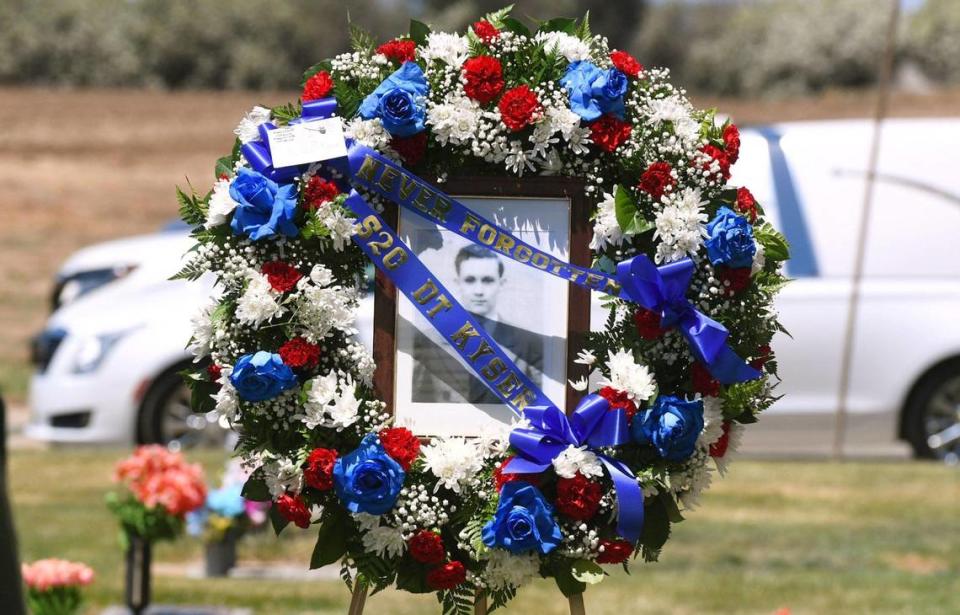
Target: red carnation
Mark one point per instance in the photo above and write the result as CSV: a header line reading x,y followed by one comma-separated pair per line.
x,y
764,353
703,381
399,50
298,353
648,324
485,31
213,372
519,108
401,444
578,497
609,132
317,86
483,78
738,277
282,277
319,191
294,509
500,478
731,142
747,204
619,400
447,576
625,63
656,179
426,547
718,155
411,149
719,448
319,471
614,551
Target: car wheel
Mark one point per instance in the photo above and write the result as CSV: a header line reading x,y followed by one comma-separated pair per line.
x,y
932,416
166,417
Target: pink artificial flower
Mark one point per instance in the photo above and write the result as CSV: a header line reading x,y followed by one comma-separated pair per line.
x,y
46,574
158,477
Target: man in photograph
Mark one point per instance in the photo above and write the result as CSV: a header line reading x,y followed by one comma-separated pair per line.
x,y
437,375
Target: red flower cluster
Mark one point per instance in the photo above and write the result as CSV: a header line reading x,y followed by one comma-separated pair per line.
x,y
648,324
656,179
703,382
747,204
625,63
614,551
317,86
401,444
764,354
298,353
319,471
578,497
731,142
399,50
294,509
318,191
282,277
483,78
519,108
426,547
411,148
609,132
213,372
447,576
738,277
485,31
500,478
721,159
619,401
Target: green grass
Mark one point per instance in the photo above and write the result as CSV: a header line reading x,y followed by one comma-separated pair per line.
x,y
812,537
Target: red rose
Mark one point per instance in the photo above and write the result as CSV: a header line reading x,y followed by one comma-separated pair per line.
x,y
656,179
500,478
746,204
609,132
317,86
619,401
412,148
719,448
764,353
426,547
720,157
213,372
447,576
578,497
614,551
482,78
294,509
648,324
485,31
401,444
703,382
399,50
625,63
519,107
731,142
319,191
298,353
282,276
319,471
738,277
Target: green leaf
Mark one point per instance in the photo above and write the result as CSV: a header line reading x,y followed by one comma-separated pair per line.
x,y
625,207
419,32
277,520
559,24
670,504
583,30
516,26
412,577
191,211
256,489
361,40
224,167
331,541
496,18
587,572
775,246
656,529
563,575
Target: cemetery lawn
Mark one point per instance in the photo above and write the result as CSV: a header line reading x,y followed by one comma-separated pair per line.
x,y
811,537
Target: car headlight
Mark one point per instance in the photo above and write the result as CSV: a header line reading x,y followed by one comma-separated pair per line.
x,y
94,349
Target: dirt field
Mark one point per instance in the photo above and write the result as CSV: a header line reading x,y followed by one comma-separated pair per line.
x,y
81,167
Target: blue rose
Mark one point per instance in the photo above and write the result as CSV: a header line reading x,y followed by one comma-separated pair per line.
x,y
227,501
524,521
261,376
594,92
672,426
730,240
264,208
398,101
368,480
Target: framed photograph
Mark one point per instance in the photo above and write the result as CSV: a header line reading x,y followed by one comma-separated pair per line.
x,y
537,319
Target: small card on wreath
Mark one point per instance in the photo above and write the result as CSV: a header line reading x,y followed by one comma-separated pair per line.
x,y
307,142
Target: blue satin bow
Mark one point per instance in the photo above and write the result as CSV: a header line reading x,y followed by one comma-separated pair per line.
x,y
663,289
593,424
258,155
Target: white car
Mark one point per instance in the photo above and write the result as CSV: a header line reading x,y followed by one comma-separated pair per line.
x,y
107,362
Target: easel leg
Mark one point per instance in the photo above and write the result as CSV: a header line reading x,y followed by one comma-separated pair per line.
x,y
576,605
480,603
358,598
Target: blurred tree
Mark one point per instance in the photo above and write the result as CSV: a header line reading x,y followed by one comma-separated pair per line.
x,y
933,39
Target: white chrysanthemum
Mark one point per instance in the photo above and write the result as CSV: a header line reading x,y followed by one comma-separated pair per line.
x,y
221,204
452,460
455,120
321,275
341,226
562,120
322,310
734,439
282,476
495,437
692,480
680,225
579,385
759,259
606,230
202,330
384,541
451,49
674,109
573,460
367,132
629,376
518,159
258,303
246,130
712,422
226,401
505,569
687,130
570,47
331,402
579,141
366,521
585,357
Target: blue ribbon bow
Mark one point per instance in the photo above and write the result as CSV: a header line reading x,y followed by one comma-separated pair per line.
x,y
663,290
594,425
